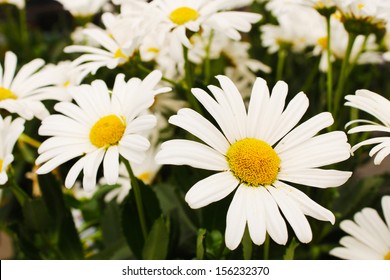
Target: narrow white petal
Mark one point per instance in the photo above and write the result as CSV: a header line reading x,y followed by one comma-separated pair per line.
x,y
236,219
386,209
314,177
10,62
211,189
276,226
92,162
255,215
186,152
56,161
258,102
293,214
369,142
74,173
111,165
369,219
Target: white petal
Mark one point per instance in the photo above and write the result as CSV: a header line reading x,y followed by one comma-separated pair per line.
x,y
74,172
255,215
293,214
211,189
186,152
315,177
386,209
236,219
276,226
111,165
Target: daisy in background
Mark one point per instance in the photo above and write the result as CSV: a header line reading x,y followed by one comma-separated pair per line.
x,y
377,106
117,45
23,92
178,16
369,235
10,131
83,8
257,153
100,127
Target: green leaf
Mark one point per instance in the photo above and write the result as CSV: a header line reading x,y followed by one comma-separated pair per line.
x,y
290,251
156,245
36,215
111,224
68,243
200,246
130,220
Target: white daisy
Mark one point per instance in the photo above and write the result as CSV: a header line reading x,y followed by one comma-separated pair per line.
x,y
182,15
119,45
9,134
100,128
256,152
369,235
24,92
83,8
377,106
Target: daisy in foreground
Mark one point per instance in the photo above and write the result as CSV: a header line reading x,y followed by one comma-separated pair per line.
x,y
101,127
377,106
256,152
369,235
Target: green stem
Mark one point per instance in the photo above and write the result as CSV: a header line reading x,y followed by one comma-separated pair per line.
x,y
23,28
282,53
329,73
207,68
343,74
20,195
266,247
31,141
188,82
138,198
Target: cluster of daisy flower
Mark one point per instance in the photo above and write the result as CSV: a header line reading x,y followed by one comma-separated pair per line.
x,y
263,151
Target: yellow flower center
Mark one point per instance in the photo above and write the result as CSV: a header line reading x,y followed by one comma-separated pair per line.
x,y
119,54
360,6
323,42
6,94
387,257
253,162
1,165
183,15
154,50
145,177
107,131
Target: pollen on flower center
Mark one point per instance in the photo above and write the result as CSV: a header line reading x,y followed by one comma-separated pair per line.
x,y
107,131
1,165
183,15
253,162
387,257
323,42
6,94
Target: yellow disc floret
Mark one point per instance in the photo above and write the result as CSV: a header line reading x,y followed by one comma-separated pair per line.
x,y
387,257
183,15
1,165
119,54
253,162
107,131
6,94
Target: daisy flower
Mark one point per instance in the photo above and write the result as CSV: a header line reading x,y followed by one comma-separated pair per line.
x,y
83,8
9,134
24,92
377,106
119,45
182,15
369,235
258,152
100,127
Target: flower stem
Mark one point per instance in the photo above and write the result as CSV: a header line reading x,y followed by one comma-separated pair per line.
x,y
188,82
138,198
282,53
343,74
329,83
207,68
31,141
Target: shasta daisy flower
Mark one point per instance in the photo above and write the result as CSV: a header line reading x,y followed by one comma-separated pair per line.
x,y
258,152
377,106
9,134
24,92
100,128
369,235
83,8
183,15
